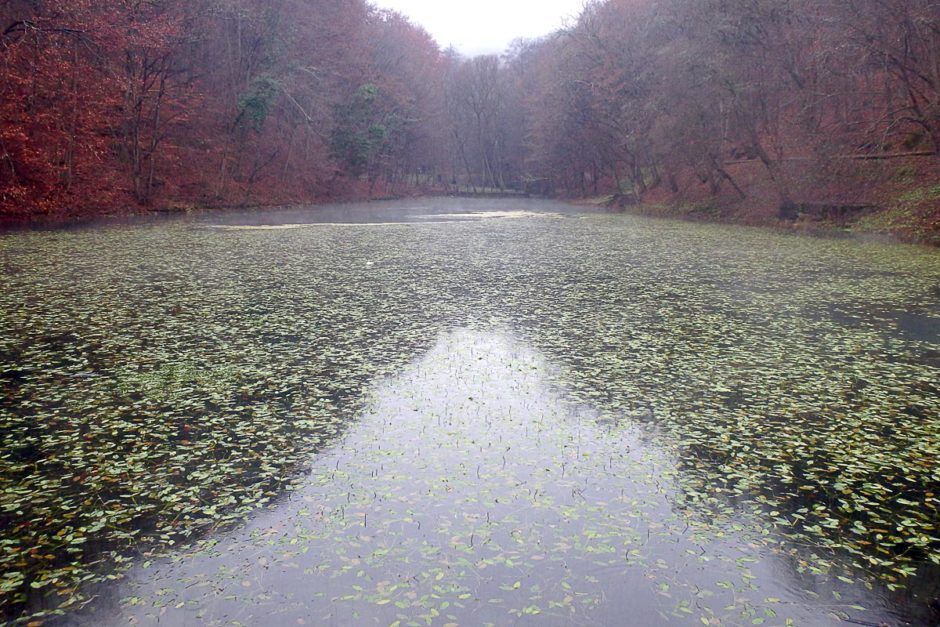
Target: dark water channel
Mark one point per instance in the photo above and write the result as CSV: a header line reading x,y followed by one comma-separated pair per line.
x,y
467,412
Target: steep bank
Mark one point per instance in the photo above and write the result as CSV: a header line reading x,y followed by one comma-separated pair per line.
x,y
897,196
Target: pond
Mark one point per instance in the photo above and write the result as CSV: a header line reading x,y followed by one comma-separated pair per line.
x,y
449,411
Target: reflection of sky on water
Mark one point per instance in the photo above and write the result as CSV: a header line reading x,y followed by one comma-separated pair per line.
x,y
412,211
723,338
470,491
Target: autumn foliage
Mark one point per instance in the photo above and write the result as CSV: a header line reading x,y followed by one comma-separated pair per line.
x,y
791,101
119,104
111,104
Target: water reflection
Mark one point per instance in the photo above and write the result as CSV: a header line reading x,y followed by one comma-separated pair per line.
x,y
178,372
415,211
471,491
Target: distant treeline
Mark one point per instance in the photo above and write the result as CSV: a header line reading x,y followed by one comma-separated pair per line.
x,y
118,103
674,94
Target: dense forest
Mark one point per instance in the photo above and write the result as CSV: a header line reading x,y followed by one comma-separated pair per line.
x,y
778,105
522,404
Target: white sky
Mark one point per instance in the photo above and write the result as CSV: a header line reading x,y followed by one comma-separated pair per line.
x,y
485,26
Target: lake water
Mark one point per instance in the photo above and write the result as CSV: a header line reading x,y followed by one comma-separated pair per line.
x,y
467,412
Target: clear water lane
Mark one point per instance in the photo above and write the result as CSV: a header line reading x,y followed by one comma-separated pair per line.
x,y
472,492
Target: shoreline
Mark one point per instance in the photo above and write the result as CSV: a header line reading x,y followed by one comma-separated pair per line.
x,y
863,227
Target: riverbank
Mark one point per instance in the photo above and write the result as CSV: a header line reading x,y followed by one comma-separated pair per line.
x,y
895,198
905,213
914,217
350,193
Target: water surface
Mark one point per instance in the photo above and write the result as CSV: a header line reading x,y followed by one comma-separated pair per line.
x,y
453,411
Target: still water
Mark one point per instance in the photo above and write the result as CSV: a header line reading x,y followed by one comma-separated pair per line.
x,y
467,412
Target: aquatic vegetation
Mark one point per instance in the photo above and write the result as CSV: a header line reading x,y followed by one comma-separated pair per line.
x,y
469,490
164,381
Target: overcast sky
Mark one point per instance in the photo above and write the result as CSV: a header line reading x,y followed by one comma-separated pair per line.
x,y
485,26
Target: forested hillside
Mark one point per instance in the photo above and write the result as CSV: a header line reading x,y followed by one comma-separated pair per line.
x,y
787,108
770,108
113,103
